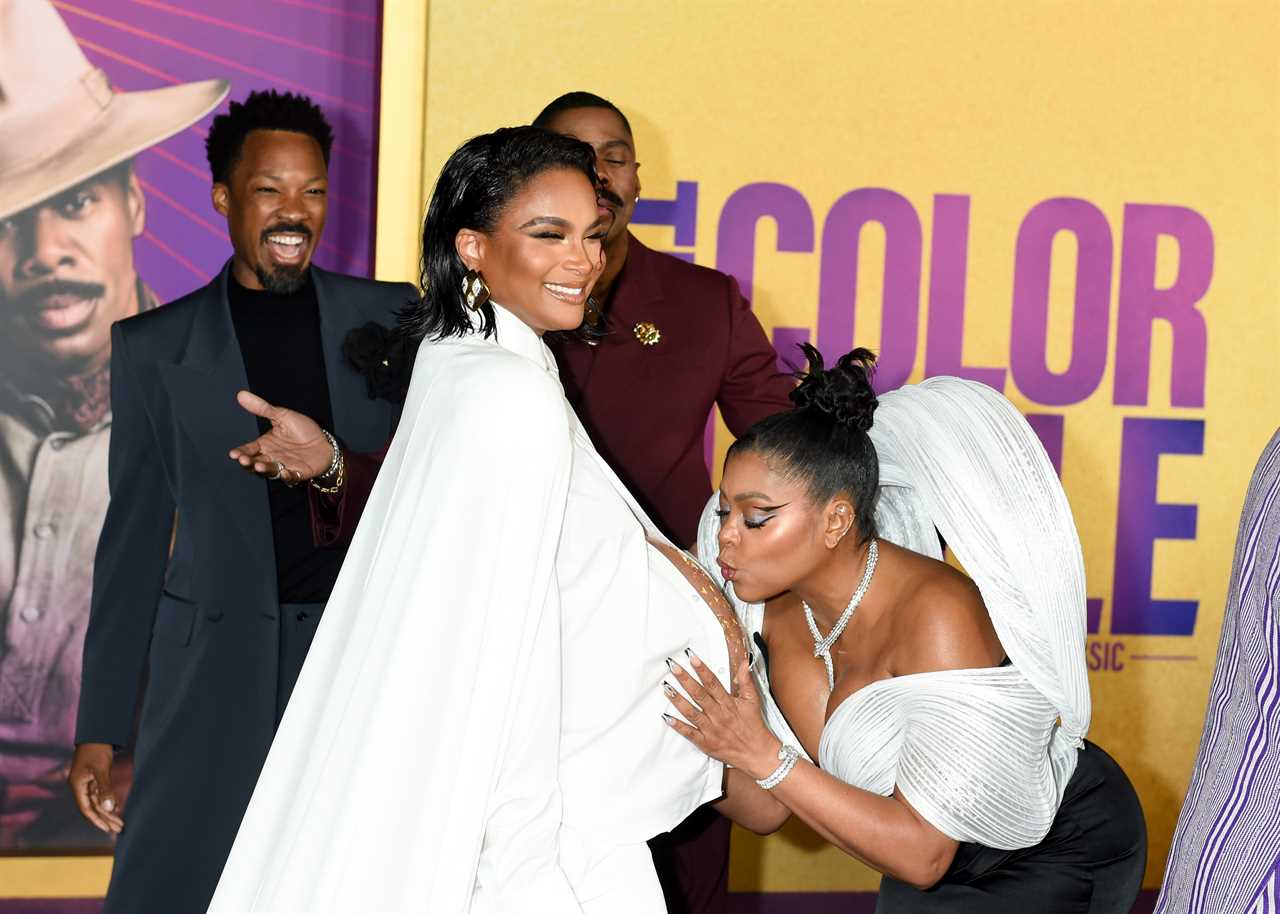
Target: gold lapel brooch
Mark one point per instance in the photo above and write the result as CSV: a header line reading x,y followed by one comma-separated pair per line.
x,y
648,334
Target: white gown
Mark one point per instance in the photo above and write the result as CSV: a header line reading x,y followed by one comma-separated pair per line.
x,y
984,755
478,726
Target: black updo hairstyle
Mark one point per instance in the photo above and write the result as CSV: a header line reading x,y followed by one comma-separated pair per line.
x,y
823,441
477,183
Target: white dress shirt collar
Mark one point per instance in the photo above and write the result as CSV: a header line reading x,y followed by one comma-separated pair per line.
x,y
516,336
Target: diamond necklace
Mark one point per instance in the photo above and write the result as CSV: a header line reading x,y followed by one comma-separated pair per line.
x,y
822,646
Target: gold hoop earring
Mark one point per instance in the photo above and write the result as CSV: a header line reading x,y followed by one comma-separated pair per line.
x,y
475,290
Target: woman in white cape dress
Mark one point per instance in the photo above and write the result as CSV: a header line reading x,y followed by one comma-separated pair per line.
x,y
927,722
476,726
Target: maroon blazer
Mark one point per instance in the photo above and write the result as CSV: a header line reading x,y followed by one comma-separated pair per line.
x,y
646,406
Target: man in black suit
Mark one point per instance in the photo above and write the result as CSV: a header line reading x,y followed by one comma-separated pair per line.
x,y
207,582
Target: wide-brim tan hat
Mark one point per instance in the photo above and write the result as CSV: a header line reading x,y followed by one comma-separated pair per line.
x,y
60,120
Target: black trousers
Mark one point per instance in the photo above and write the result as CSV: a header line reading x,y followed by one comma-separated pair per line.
x,y
692,861
201,746
1090,862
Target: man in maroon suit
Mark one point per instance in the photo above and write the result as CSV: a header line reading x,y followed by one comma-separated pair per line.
x,y
678,339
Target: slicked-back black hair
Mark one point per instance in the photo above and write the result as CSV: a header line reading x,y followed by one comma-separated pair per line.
x,y
475,186
270,110
571,101
823,441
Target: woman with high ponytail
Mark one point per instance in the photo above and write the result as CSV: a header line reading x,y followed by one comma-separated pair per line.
x,y
929,722
827,434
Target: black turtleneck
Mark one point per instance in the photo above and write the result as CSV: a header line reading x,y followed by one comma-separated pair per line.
x,y
283,356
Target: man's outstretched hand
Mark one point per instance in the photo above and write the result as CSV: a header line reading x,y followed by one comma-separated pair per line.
x,y
294,450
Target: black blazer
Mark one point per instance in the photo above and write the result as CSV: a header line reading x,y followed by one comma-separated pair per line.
x,y
184,586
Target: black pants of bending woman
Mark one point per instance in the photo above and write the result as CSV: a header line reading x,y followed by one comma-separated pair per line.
x,y
1090,862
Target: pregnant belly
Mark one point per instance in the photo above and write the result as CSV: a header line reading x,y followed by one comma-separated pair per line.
x,y
716,603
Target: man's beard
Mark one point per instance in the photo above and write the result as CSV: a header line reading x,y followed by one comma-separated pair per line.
x,y
283,280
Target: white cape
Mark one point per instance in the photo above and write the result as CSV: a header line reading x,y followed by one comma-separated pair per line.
x,y
421,716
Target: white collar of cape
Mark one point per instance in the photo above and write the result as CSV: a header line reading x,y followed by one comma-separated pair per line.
x,y
516,336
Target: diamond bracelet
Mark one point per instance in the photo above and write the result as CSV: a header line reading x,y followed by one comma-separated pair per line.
x,y
787,758
337,455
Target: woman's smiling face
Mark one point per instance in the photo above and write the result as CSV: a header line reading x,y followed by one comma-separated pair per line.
x,y
545,253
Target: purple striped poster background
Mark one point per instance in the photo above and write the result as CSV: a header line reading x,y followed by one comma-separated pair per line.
x,y
327,49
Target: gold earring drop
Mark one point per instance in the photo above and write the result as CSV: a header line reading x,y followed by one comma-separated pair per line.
x,y
475,289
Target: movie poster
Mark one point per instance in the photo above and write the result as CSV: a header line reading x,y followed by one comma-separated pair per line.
x,y
104,213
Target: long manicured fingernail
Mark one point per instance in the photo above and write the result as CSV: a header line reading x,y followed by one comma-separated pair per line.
x,y
666,687
693,658
671,721
671,665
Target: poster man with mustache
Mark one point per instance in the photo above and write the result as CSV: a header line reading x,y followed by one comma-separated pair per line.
x,y
70,209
